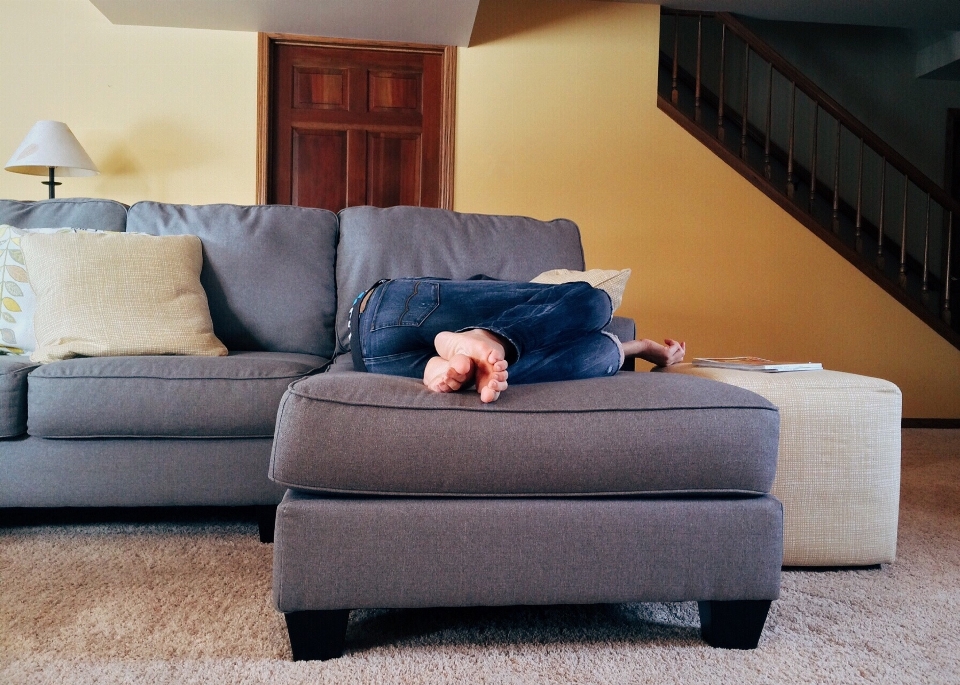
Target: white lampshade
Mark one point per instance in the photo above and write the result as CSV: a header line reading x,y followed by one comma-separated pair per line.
x,y
51,144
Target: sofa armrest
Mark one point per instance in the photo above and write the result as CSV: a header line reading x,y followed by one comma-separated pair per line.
x,y
623,328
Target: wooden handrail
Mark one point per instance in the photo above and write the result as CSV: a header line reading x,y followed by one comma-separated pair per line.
x,y
905,275
831,107
852,211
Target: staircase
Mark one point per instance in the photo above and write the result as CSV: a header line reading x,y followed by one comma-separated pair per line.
x,y
799,146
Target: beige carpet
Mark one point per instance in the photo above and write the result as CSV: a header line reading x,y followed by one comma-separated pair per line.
x,y
190,603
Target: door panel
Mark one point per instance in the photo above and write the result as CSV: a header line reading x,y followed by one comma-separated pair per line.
x,y
320,88
395,91
351,126
393,169
319,168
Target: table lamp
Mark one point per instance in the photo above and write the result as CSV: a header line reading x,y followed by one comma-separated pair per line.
x,y
50,147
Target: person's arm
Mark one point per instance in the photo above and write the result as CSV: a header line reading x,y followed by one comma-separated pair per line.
x,y
671,352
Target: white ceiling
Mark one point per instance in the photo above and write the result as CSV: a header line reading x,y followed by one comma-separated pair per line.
x,y
439,22
450,22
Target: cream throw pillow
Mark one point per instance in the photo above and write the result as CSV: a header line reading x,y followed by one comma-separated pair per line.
x,y
114,294
611,281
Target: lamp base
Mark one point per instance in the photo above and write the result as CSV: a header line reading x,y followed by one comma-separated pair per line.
x,y
51,184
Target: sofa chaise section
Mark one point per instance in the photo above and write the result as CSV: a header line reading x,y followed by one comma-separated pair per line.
x,y
624,489
632,488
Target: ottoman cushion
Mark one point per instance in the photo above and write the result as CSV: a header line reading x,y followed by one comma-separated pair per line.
x,y
630,434
838,474
163,396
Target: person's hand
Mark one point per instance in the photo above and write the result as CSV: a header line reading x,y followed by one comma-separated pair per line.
x,y
673,352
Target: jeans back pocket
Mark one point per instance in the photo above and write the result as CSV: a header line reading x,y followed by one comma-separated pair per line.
x,y
405,303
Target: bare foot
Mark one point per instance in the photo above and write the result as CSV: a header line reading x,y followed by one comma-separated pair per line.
x,y
487,353
442,375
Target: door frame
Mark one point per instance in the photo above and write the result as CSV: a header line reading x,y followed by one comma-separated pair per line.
x,y
266,44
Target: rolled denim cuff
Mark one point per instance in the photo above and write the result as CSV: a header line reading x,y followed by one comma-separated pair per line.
x,y
619,346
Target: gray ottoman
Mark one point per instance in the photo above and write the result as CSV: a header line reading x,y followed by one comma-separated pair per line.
x,y
640,487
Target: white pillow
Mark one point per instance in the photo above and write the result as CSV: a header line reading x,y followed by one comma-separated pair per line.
x,y
18,301
611,281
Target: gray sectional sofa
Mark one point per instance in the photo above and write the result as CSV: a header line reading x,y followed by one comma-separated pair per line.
x,y
177,431
640,487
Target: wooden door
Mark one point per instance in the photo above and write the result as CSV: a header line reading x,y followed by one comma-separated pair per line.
x,y
352,124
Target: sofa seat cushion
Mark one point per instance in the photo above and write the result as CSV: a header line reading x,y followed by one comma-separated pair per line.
x,y
633,433
163,396
13,394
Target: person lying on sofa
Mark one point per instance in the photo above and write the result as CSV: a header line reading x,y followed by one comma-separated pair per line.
x,y
456,333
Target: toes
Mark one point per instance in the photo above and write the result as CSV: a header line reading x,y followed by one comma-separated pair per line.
x,y
489,395
443,385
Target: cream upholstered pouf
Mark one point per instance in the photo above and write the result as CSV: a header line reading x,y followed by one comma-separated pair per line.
x,y
838,471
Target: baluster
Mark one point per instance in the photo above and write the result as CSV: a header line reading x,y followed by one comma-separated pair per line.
x,y
766,144
791,186
675,94
813,156
859,224
945,310
698,114
723,55
926,250
746,100
883,190
836,182
903,236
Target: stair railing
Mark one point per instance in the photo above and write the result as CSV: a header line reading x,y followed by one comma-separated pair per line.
x,y
909,272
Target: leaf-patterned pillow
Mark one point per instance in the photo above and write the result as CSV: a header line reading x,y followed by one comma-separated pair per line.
x,y
17,299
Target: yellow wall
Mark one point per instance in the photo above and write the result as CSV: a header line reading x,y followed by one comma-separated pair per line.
x,y
557,116
167,114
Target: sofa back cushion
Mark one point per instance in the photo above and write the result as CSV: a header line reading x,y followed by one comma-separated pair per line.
x,y
268,270
101,215
398,242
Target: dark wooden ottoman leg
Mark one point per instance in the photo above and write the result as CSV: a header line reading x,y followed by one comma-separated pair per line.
x,y
266,520
733,625
317,634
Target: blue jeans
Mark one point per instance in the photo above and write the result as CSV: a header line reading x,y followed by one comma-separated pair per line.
x,y
552,332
